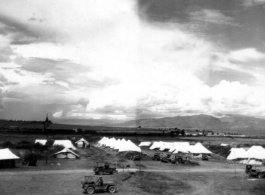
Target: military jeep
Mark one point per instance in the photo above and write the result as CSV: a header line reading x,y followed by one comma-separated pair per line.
x,y
104,168
92,184
255,171
177,159
156,156
165,158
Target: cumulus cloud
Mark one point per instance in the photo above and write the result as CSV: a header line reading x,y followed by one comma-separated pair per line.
x,y
251,3
247,55
58,114
212,16
108,64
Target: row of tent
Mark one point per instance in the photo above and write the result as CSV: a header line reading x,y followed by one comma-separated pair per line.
x,y
176,147
67,152
254,155
7,158
121,145
82,143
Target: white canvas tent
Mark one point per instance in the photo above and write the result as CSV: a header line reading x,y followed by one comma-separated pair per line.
x,y
166,146
156,145
180,147
82,143
199,149
251,162
6,154
256,152
41,141
237,153
7,158
66,154
121,145
145,144
64,143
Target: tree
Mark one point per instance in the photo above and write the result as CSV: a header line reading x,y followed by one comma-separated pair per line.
x,y
182,132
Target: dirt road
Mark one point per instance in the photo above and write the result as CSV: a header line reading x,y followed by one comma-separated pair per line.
x,y
187,170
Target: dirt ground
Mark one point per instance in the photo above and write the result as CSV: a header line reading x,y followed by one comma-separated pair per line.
x,y
69,183
63,177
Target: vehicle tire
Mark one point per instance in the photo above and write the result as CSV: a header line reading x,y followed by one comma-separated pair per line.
x,y
90,190
260,176
111,189
249,174
100,173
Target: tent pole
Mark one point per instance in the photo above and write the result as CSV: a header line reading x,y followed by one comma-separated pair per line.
x,y
47,148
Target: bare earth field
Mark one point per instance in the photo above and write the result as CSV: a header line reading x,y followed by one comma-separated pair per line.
x,y
63,177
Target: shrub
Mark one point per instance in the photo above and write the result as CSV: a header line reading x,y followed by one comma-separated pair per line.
x,y
33,155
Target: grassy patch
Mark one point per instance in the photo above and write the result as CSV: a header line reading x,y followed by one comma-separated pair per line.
x,y
157,184
191,163
259,189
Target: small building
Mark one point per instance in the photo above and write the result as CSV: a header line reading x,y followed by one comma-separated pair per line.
x,y
7,158
82,143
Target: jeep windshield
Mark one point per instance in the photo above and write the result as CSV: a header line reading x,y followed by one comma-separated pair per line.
x,y
90,179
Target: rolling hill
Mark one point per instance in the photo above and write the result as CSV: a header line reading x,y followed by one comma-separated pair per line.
x,y
207,122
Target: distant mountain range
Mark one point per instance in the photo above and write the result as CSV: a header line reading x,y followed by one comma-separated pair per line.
x,y
207,122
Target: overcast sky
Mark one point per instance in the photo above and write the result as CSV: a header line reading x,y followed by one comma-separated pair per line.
x,y
127,59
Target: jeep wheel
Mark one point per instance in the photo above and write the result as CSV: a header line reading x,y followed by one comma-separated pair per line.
x,y
90,190
100,173
112,189
260,176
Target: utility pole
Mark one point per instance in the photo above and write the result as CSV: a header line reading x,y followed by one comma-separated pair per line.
x,y
46,125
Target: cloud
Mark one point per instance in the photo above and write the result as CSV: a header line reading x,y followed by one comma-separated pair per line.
x,y
247,55
20,32
37,64
212,16
58,114
109,64
5,50
251,3
247,100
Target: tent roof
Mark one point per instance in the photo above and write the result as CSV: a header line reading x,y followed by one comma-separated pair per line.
x,y
41,141
145,144
257,152
82,140
236,153
66,150
199,149
6,154
65,143
120,144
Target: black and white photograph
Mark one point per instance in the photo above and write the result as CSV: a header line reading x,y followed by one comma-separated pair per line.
x,y
132,97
